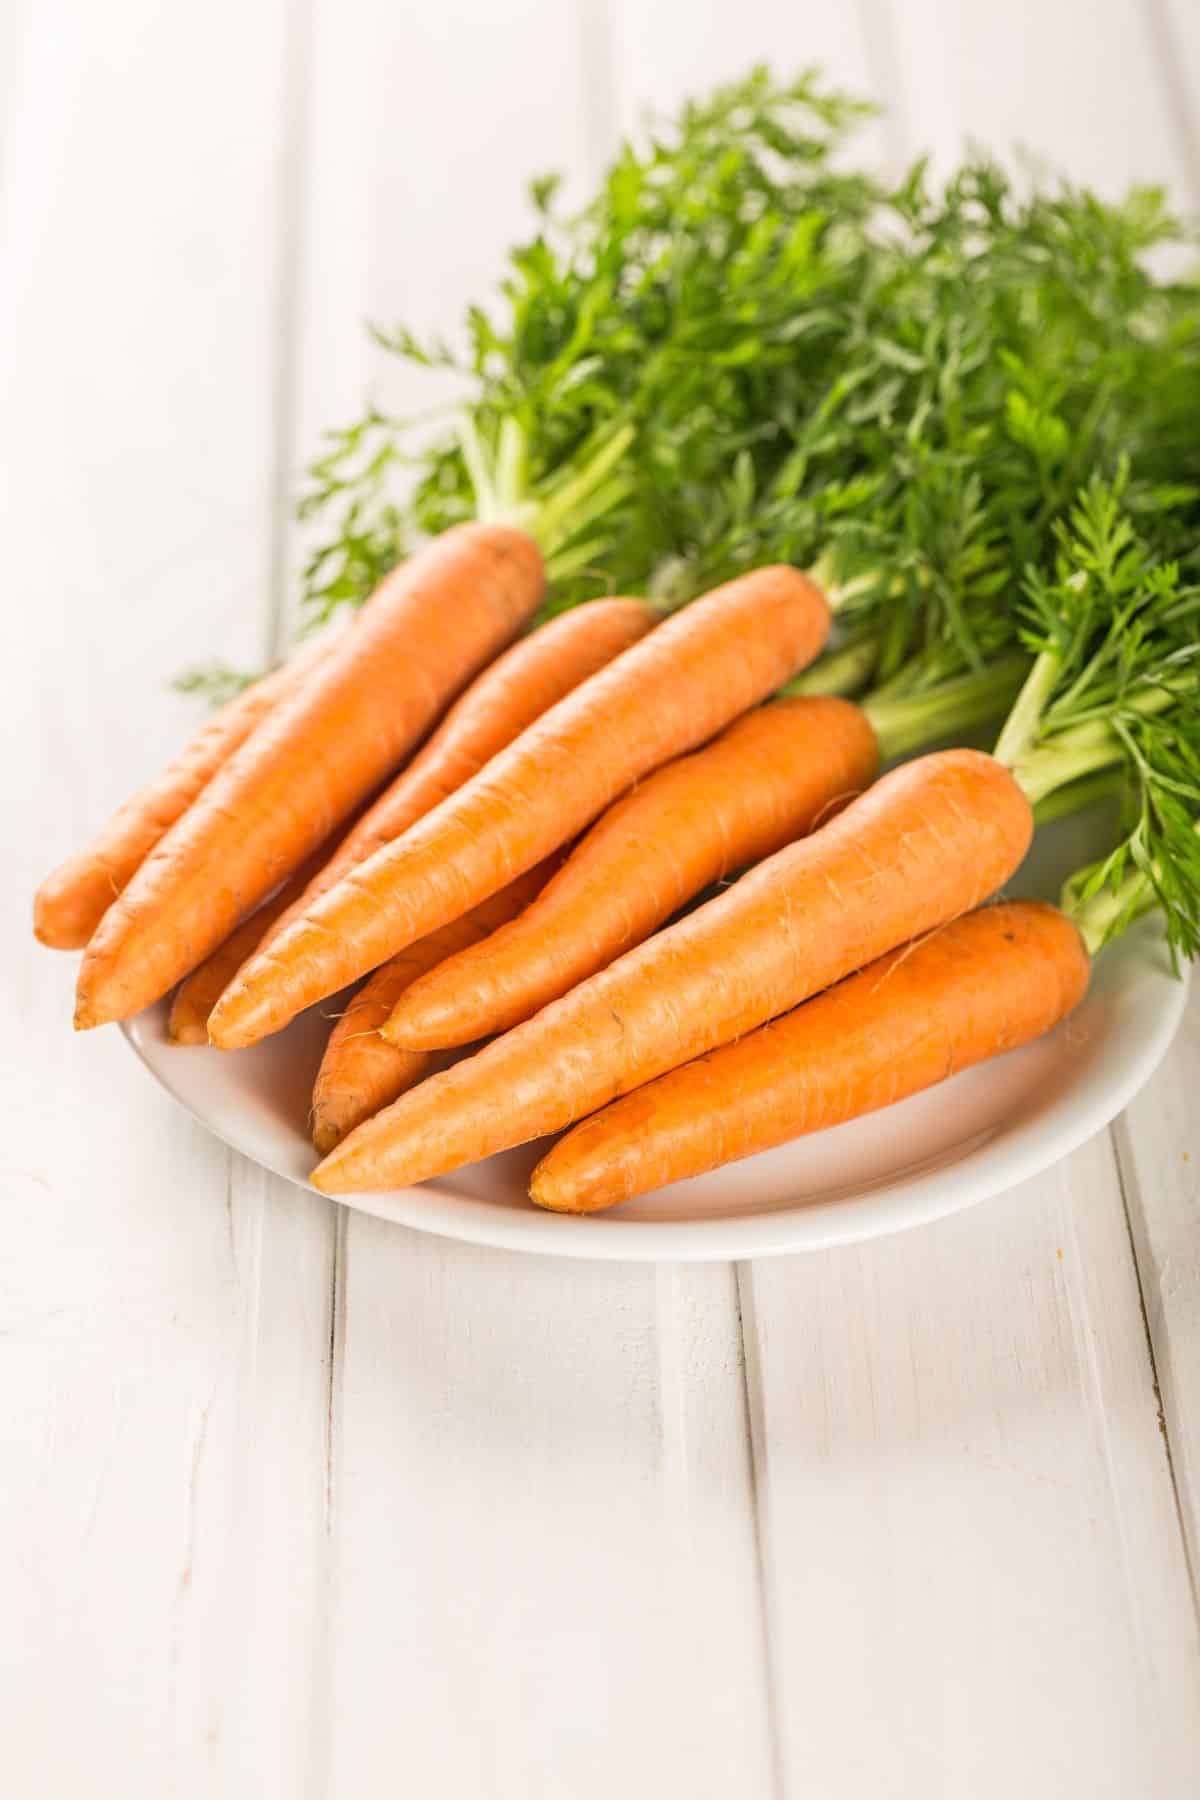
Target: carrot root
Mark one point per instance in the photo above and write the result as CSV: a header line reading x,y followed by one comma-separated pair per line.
x,y
435,621
927,842
523,683
360,1071
665,695
982,985
768,779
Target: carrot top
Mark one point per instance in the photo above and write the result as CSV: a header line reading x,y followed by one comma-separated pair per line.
x,y
898,388
1113,697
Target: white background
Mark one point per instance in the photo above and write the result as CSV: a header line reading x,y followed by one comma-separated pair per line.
x,y
297,1504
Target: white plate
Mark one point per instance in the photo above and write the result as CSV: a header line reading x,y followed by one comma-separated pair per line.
x,y
986,1130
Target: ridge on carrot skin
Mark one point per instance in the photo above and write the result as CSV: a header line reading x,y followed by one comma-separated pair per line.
x,y
928,841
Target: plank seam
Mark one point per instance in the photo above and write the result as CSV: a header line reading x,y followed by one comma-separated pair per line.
x,y
1168,67
324,1656
875,26
752,1402
597,45
1127,1183
337,1349
292,195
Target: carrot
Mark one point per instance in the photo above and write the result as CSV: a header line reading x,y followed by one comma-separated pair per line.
x,y
769,778
984,984
927,842
196,996
75,897
663,696
434,621
360,1071
517,689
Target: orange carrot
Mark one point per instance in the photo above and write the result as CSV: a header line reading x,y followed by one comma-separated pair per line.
x,y
75,897
196,996
431,625
768,779
360,1071
927,842
983,984
517,689
663,696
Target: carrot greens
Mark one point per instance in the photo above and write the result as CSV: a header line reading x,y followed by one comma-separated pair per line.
x,y
900,389
1115,690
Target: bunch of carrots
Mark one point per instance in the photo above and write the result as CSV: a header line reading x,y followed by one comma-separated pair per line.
x,y
630,871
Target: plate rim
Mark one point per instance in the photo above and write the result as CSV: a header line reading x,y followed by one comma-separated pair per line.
x,y
1003,1160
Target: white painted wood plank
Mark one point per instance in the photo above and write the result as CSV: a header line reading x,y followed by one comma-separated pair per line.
x,y
163,1310
1174,32
1158,1144
544,1576
977,1580
947,1553
663,54
1159,1157
541,1517
1073,83
1109,101
425,127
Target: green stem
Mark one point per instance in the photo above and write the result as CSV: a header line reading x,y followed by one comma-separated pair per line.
x,y
478,473
839,594
844,671
822,571
1021,727
1081,751
907,722
1107,912
1062,801
510,465
576,502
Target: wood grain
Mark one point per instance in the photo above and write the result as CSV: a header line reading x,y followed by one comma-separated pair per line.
x,y
163,1307
967,1513
294,1503
562,1560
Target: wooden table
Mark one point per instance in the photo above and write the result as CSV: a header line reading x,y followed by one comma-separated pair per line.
x,y
298,1504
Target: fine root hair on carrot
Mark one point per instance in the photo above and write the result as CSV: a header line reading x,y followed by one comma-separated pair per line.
x,y
928,841
974,988
667,694
767,779
434,622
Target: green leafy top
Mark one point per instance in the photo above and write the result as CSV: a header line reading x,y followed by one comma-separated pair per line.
x,y
1115,686
693,299
903,388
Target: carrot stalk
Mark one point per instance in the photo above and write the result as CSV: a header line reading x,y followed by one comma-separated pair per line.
x,y
983,984
674,690
769,778
431,625
360,1071
522,684
75,897
927,842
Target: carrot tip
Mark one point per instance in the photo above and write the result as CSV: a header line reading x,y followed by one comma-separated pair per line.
x,y
58,934
325,1137
548,1201
222,1037
187,1033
